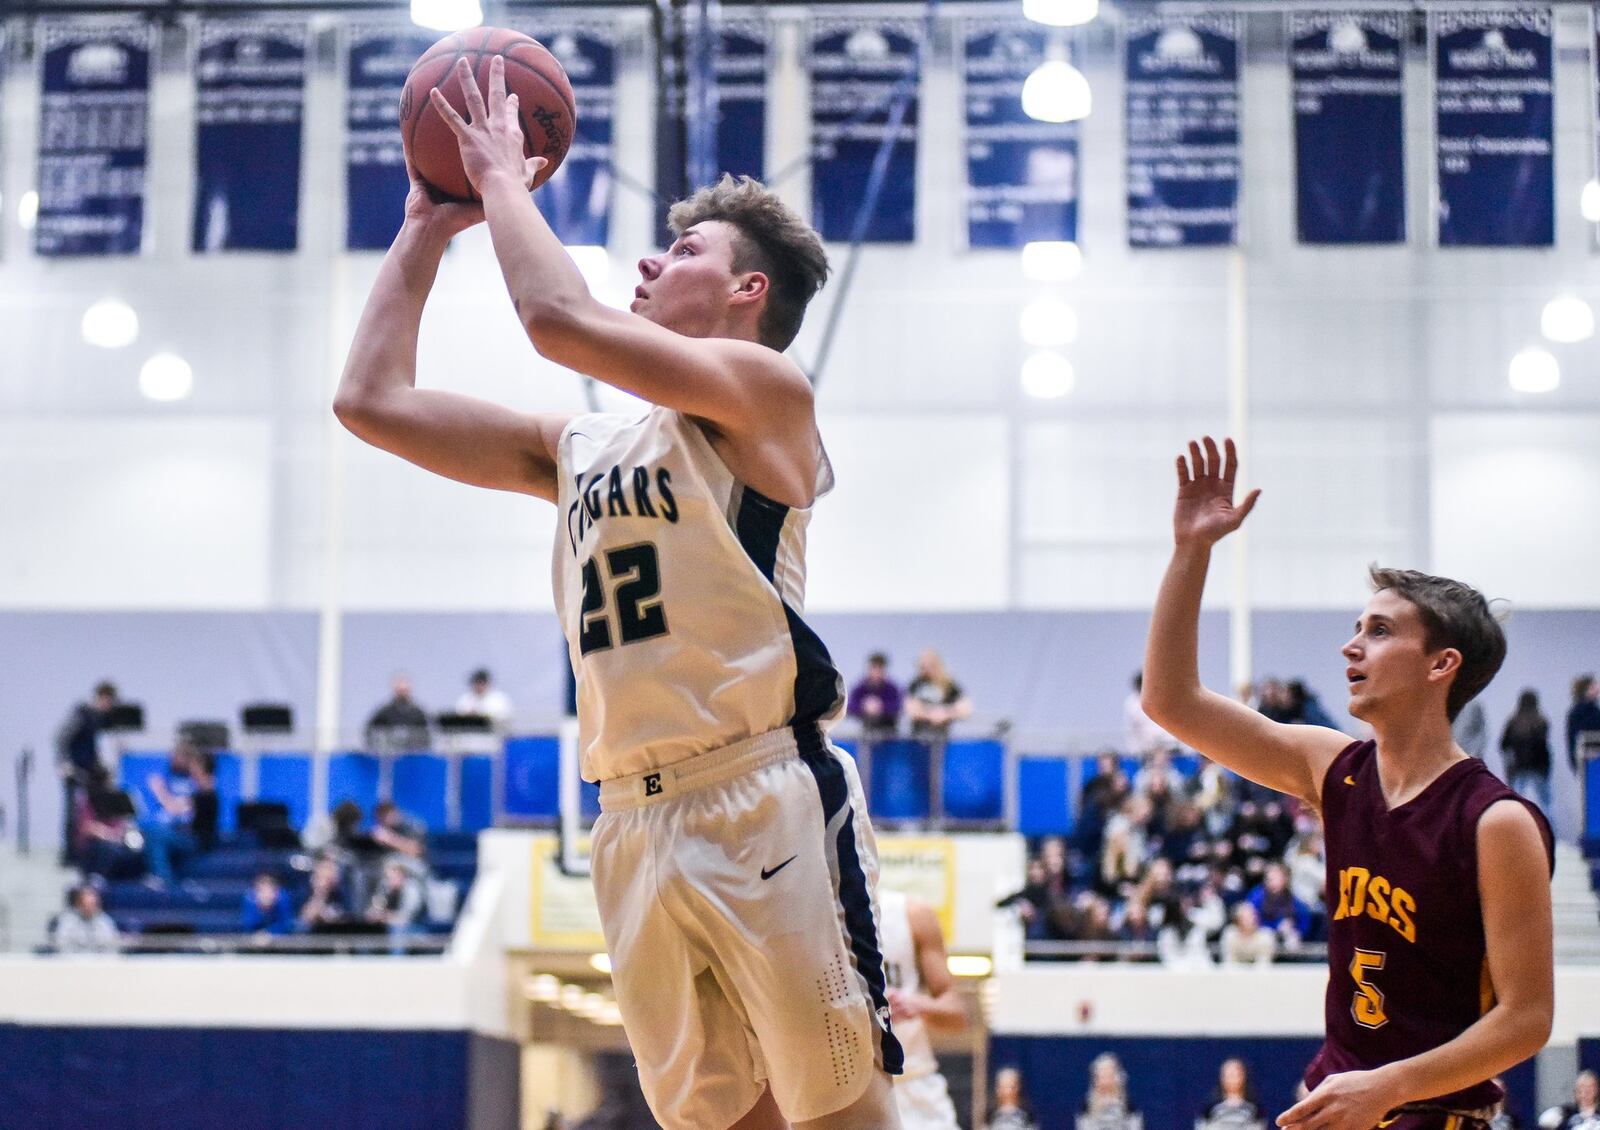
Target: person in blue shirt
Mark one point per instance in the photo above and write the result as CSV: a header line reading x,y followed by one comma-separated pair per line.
x,y
1276,905
266,908
169,830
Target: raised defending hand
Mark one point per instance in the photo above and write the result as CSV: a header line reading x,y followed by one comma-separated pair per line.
x,y
491,137
1205,512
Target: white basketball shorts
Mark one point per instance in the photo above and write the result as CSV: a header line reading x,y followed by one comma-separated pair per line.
x,y
736,894
924,1103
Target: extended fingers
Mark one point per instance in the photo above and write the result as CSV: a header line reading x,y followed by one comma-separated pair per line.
x,y
1230,463
1183,472
497,80
447,111
470,91
1213,457
1197,461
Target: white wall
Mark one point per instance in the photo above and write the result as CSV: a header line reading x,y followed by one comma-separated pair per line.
x,y
956,492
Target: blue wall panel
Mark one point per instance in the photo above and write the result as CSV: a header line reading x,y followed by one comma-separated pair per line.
x,y
286,777
353,776
419,787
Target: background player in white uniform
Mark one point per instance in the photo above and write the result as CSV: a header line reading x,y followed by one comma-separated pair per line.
x,y
922,996
733,862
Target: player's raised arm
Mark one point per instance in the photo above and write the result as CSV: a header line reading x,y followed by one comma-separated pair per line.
x,y
1290,759
463,438
738,386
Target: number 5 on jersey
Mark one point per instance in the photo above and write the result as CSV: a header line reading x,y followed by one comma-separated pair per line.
x,y
1367,1007
634,573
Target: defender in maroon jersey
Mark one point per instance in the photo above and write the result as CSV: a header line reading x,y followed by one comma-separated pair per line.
x,y
1440,966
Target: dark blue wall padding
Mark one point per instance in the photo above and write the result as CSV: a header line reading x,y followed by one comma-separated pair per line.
x,y
477,792
419,787
899,787
975,780
286,777
254,1079
1169,1077
532,778
353,776
229,792
1042,805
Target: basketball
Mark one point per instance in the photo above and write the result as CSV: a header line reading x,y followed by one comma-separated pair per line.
x,y
544,103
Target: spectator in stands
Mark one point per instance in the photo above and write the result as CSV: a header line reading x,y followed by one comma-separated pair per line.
x,y
1215,793
84,927
485,700
1278,909
1525,742
1583,1113
1161,897
1140,735
934,700
875,701
1184,837
326,905
265,907
399,724
1008,1109
1245,942
1101,795
1135,924
402,835
1305,707
1121,862
1233,1105
108,842
1274,701
1307,862
1503,1118
1032,901
77,753
1584,716
169,831
1106,1105
397,902
1471,730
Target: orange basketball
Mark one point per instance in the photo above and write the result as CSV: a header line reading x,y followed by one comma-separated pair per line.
x,y
544,103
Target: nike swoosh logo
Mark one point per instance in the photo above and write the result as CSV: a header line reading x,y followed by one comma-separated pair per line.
x,y
1349,780
766,874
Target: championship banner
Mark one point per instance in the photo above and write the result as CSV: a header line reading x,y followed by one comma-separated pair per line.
x,y
377,59
1495,113
576,201
864,75
1022,174
1182,127
741,69
94,117
1349,128
250,98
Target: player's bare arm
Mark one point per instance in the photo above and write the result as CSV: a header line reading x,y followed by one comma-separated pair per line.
x,y
1514,888
752,398
1290,759
939,1004
472,441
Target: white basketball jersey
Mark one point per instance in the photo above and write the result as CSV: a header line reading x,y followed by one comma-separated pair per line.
x,y
901,972
680,592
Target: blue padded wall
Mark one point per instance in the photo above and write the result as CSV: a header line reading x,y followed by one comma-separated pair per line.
x,y
419,784
353,776
1042,805
532,778
286,778
477,792
975,780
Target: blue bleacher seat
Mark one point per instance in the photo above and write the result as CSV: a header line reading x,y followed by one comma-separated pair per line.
x,y
286,778
974,780
419,787
477,793
353,776
1042,798
1591,795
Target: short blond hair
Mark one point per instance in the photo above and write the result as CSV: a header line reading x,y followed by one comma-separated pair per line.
x,y
773,239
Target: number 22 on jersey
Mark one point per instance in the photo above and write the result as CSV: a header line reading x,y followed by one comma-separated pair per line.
x,y
634,572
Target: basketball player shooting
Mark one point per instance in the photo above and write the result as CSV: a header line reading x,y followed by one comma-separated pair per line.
x,y
733,861
1439,949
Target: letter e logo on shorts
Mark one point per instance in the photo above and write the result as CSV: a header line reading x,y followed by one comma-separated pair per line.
x,y
652,784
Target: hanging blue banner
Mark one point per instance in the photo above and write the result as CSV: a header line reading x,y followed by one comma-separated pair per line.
x,y
377,59
1022,174
741,67
94,120
576,201
864,75
1495,111
251,80
1182,125
1349,127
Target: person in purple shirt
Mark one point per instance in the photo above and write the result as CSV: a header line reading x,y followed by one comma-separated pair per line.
x,y
875,701
1440,965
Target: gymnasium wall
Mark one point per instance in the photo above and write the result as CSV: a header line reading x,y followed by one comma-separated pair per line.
x,y
1380,420
1060,677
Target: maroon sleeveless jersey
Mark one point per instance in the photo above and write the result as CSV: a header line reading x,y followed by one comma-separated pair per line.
x,y
1407,968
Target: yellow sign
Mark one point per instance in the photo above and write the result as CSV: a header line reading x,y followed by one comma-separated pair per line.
x,y
923,867
563,908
